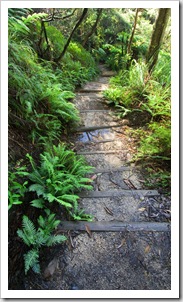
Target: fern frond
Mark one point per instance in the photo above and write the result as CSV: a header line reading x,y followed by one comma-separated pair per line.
x,y
56,240
36,268
24,237
38,203
29,229
50,197
62,202
31,260
39,189
36,177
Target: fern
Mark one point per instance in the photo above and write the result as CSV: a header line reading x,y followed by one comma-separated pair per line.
x,y
38,237
38,203
57,239
28,230
31,260
39,189
60,174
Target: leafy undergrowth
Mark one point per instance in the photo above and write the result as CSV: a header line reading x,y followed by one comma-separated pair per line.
x,y
145,100
44,175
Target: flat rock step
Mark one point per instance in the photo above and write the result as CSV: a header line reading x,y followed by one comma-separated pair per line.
x,y
116,193
94,87
108,74
114,226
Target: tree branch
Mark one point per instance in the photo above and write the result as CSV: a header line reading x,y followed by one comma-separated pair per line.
x,y
54,17
85,10
99,12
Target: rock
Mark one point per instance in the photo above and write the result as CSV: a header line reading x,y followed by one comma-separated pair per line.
x,y
51,269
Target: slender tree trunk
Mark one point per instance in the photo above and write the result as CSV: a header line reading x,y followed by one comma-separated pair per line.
x,y
99,13
133,31
157,37
85,10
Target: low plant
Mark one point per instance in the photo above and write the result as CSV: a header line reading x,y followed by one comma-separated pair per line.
x,y
36,238
156,142
161,179
60,175
17,186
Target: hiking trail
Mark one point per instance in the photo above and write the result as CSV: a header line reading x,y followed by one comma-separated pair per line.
x,y
127,246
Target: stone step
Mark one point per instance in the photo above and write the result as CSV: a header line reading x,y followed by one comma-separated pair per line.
x,y
123,208
89,101
106,161
101,147
94,87
102,118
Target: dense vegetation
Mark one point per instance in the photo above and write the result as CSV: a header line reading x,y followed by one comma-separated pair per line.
x,y
44,174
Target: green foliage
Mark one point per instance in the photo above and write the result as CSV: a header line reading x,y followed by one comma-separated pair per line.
x,y
162,71
39,91
56,39
155,142
133,90
17,187
36,238
128,87
18,13
59,176
161,178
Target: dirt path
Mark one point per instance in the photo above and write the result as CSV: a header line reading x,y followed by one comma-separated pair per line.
x,y
132,255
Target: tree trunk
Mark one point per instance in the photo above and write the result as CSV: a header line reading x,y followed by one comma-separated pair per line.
x,y
70,37
133,31
157,37
99,12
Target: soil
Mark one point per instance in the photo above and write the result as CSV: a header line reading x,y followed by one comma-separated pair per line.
x,y
139,260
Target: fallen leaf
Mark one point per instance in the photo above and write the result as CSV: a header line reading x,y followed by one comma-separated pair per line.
x,y
88,230
122,242
141,209
108,211
147,249
168,211
129,183
71,241
93,177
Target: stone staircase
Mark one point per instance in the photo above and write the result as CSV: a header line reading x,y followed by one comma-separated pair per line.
x,y
124,247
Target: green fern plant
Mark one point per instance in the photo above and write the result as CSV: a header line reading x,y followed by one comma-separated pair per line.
x,y
17,186
36,238
59,177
